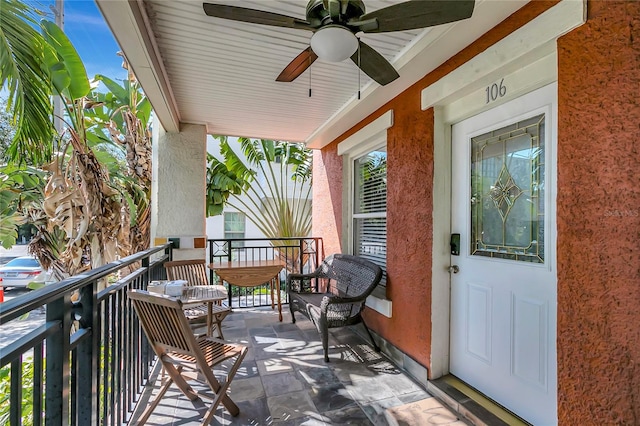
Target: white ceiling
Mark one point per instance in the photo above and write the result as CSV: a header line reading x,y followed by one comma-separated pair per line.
x,y
221,73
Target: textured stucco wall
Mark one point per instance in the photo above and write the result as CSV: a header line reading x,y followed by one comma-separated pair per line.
x,y
599,218
326,219
179,202
409,199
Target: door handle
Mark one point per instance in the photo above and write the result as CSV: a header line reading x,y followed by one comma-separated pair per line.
x,y
453,268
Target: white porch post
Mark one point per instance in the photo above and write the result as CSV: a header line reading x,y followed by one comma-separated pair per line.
x,y
178,189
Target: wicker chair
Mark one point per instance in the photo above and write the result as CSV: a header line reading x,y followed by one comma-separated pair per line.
x,y
349,280
182,353
194,272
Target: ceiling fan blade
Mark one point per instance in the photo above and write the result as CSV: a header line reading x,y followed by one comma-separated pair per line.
x,y
254,16
415,14
374,65
298,65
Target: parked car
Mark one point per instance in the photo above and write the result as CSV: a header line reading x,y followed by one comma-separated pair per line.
x,y
21,271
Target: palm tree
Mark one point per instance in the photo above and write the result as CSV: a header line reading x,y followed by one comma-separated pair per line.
x,y
125,113
271,185
85,204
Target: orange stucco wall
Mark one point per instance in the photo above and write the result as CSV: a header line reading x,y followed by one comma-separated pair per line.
x,y
327,195
409,200
599,218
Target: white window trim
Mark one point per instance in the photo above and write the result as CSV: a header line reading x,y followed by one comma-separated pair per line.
x,y
367,139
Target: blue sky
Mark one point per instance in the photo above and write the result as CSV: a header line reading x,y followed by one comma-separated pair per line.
x,y
90,35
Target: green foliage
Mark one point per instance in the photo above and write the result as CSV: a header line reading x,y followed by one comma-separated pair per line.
x,y
67,70
24,74
103,129
7,130
20,187
279,203
27,392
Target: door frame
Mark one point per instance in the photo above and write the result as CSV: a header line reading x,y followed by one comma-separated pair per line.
x,y
534,397
522,62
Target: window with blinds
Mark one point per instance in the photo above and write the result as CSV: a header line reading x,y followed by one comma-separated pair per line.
x,y
370,208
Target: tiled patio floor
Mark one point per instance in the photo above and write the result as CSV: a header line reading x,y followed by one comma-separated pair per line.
x,y
284,380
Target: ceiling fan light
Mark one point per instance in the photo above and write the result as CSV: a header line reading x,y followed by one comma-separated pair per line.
x,y
334,43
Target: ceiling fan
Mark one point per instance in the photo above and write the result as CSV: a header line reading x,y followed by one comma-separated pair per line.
x,y
335,24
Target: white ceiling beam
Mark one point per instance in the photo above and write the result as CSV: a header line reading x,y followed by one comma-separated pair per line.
x,y
130,26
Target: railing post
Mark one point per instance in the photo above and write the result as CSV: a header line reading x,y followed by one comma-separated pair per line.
x,y
87,358
300,254
229,258
210,243
57,366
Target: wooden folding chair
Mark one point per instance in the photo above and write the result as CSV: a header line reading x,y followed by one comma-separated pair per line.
x,y
194,272
183,355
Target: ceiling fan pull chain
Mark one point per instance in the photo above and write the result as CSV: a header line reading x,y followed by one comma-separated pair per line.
x,y
359,69
309,76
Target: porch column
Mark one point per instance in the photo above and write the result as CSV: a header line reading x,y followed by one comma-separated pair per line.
x,y
178,189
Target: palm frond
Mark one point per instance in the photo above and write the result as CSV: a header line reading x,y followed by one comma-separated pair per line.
x,y
22,72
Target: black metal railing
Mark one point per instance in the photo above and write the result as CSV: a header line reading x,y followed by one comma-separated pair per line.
x,y
297,254
87,363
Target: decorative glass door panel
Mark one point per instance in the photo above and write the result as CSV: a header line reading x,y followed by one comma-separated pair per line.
x,y
507,197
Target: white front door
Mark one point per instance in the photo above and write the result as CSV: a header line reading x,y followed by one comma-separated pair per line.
x,y
503,297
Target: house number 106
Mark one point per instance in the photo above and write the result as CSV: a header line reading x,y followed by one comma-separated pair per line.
x,y
496,91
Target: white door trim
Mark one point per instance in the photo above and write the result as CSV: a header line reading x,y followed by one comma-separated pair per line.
x,y
461,94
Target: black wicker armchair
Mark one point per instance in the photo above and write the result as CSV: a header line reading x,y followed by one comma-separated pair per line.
x,y
347,281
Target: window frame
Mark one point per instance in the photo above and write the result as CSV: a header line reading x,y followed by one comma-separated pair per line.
x,y
381,145
224,225
370,138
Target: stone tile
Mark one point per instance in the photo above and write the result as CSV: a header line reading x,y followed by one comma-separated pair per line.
x,y
273,366
233,322
393,353
316,376
292,335
278,384
285,327
331,397
304,324
299,348
351,372
254,412
426,412
264,352
316,420
264,339
366,391
400,384
237,335
414,396
352,416
284,380
376,410
478,414
246,389
291,406
248,368
262,330
236,315
256,322
416,370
